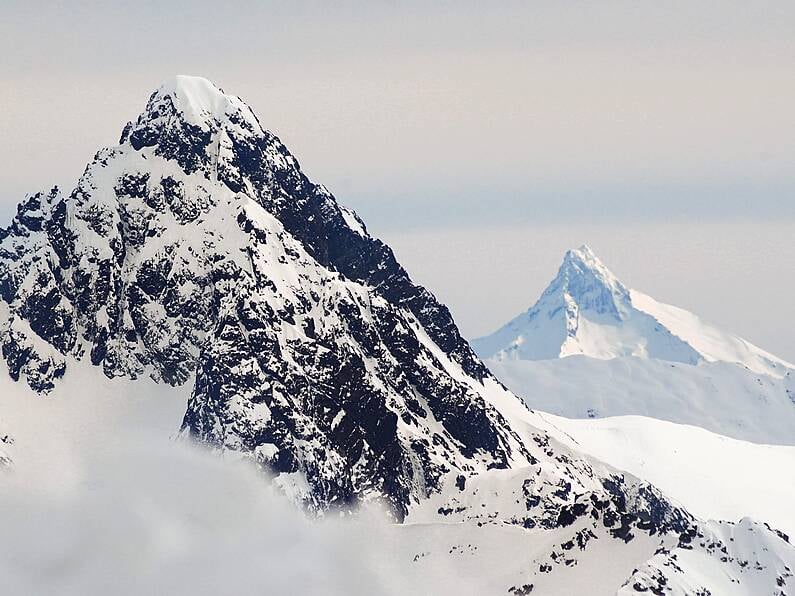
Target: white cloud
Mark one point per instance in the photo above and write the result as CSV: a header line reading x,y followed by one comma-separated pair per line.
x,y
102,500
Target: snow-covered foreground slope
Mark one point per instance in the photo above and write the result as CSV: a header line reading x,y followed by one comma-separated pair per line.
x,y
587,310
713,476
718,396
96,471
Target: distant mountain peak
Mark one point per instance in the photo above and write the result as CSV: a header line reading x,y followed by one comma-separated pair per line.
x,y
585,282
587,310
583,262
583,254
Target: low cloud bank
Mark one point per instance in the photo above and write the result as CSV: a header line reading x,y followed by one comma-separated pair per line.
x,y
178,521
101,500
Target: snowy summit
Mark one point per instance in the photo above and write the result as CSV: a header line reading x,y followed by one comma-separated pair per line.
x,y
591,347
199,100
587,310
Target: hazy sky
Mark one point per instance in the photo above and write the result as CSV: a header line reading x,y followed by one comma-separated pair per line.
x,y
479,138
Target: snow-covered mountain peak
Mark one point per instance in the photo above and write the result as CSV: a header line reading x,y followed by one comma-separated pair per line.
x,y
585,256
587,310
199,100
582,261
191,121
197,252
585,282
200,255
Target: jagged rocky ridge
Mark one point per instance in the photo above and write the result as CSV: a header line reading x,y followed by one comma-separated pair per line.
x,y
196,251
198,244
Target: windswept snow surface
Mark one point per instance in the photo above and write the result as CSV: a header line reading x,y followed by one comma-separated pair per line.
x,y
200,101
713,344
718,396
713,476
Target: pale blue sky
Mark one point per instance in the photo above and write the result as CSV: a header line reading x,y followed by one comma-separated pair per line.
x,y
440,119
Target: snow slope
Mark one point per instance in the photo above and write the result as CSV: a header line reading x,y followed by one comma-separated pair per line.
x,y
713,476
587,310
712,343
718,396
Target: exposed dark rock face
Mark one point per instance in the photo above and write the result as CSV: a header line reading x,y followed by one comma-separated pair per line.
x,y
198,251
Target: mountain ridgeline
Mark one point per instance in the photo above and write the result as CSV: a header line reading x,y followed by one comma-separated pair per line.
x,y
198,245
